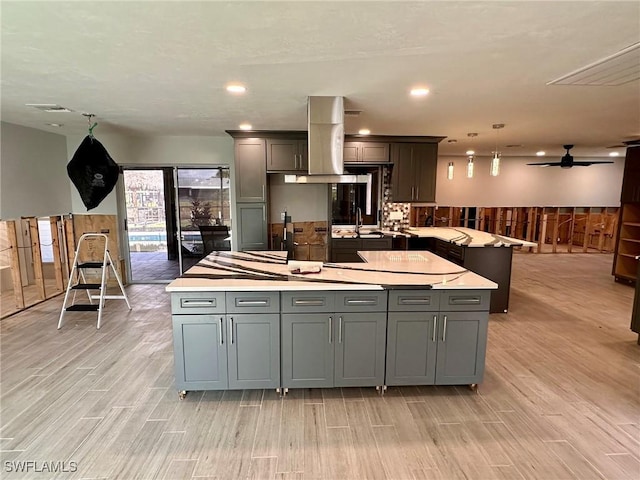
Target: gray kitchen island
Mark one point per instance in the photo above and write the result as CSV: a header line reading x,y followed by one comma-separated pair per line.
x,y
245,320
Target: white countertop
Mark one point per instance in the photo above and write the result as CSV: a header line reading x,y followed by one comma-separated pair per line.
x,y
265,271
468,237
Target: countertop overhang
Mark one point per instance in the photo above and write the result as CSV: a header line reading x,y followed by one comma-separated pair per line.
x,y
268,271
462,236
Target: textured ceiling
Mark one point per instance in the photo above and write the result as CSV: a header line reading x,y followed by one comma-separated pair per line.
x,y
159,68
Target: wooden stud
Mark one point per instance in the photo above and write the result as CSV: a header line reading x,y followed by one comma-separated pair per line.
x,y
603,221
498,222
71,241
55,245
587,231
37,257
530,218
541,232
514,223
571,227
556,231
482,219
12,236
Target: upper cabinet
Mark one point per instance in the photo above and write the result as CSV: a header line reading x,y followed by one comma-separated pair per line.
x,y
250,171
287,155
414,172
366,152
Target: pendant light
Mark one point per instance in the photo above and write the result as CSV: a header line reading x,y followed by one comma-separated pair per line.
x,y
494,169
470,156
450,171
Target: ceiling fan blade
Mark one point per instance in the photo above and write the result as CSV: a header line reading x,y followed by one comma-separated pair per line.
x,y
587,164
545,164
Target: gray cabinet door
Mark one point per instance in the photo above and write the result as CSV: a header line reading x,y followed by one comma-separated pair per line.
x,y
252,226
250,170
307,350
360,349
286,155
426,162
403,176
411,348
200,352
366,152
253,346
462,343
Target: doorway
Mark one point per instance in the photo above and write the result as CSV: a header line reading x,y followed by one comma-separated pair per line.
x,y
166,207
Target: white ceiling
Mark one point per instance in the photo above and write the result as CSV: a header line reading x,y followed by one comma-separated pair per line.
x,y
160,68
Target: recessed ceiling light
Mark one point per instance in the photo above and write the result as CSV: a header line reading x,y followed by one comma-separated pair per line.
x,y
470,152
541,153
245,126
49,107
236,88
57,125
364,131
614,154
453,140
419,92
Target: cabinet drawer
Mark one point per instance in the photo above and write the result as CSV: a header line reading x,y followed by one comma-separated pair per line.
x,y
369,301
376,243
318,302
456,253
414,301
253,302
197,302
465,300
346,243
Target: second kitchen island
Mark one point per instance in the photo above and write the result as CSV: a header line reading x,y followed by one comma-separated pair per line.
x,y
243,320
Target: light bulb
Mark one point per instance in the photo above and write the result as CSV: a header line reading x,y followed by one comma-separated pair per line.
x,y
450,171
494,170
470,167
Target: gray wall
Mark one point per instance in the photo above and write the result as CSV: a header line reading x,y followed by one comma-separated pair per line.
x,y
521,185
33,173
156,151
303,203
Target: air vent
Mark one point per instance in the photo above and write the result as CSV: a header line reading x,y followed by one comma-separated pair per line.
x,y
50,107
352,113
617,69
512,145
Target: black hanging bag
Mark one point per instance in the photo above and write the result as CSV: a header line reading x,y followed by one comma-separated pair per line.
x,y
93,172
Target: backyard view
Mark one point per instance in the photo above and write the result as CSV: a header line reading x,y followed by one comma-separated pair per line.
x,y
203,201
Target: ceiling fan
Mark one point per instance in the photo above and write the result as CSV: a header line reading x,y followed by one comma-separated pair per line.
x,y
567,161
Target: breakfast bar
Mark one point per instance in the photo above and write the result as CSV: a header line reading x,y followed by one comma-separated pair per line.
x,y
247,320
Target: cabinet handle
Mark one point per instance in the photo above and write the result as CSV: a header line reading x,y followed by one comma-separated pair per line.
x,y
340,329
314,303
418,192
220,331
231,330
330,329
245,303
435,324
444,330
361,302
414,301
197,303
264,197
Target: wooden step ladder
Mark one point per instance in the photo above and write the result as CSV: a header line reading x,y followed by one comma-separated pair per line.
x,y
77,281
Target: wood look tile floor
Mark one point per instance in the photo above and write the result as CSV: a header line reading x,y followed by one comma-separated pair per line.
x,y
560,399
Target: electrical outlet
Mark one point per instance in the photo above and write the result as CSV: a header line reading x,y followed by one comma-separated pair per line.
x,y
282,214
395,215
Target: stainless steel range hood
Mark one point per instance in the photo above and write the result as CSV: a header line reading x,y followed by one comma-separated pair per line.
x,y
325,117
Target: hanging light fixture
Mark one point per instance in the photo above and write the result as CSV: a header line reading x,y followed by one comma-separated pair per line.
x,y
470,156
494,169
450,171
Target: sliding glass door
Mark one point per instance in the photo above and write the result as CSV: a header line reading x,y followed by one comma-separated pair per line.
x,y
168,210
204,208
